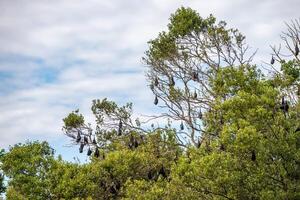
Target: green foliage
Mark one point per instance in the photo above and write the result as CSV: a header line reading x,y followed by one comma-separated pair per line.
x,y
186,27
108,107
103,109
163,47
291,69
34,173
28,163
73,120
12,193
229,80
142,189
174,94
185,21
70,180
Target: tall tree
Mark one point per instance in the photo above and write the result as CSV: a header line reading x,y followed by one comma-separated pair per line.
x,y
250,127
28,164
34,173
183,63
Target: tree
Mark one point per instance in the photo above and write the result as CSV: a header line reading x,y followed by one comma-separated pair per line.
x,y
34,173
250,129
184,62
251,125
28,164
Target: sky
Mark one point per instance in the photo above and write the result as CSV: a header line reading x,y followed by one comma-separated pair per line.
x,y
57,56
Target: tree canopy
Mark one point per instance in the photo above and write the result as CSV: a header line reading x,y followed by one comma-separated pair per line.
x,y
239,133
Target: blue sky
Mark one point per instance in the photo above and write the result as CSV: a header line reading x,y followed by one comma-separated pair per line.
x,y
57,56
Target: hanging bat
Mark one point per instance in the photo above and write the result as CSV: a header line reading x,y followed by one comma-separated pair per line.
x,y
181,126
272,60
155,100
78,138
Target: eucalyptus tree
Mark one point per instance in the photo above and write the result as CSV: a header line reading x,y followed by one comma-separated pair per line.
x,y
248,121
184,63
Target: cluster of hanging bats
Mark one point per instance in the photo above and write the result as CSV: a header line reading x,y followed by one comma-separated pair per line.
x,y
84,140
195,77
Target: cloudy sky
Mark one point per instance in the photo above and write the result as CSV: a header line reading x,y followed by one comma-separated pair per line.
x,y
56,56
